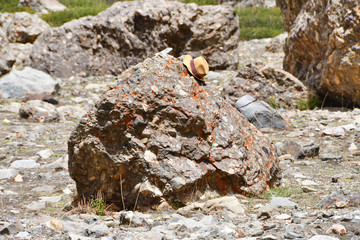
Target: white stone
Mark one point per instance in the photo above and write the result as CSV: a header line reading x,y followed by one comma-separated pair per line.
x,y
8,173
149,156
283,217
334,131
53,199
45,154
36,205
352,147
23,164
309,183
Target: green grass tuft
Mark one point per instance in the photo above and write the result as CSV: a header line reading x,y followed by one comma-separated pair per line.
x,y
11,6
75,10
259,22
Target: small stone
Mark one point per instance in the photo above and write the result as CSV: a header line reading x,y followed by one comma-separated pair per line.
x,y
282,202
23,235
309,183
322,237
269,237
334,131
340,204
45,154
43,189
283,217
18,178
8,173
307,189
336,228
286,157
55,224
54,199
352,147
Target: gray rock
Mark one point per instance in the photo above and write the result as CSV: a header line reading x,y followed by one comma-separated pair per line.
x,y
97,230
22,27
323,237
261,114
282,202
45,154
43,5
22,164
134,219
36,206
133,30
21,54
300,150
43,189
294,231
343,197
17,83
39,111
266,83
11,228
163,133
8,173
7,58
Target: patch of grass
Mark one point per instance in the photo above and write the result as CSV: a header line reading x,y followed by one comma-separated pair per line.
x,y
274,103
202,2
286,191
75,9
259,22
310,103
11,6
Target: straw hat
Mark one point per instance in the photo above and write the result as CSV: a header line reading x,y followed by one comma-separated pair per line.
x,y
198,67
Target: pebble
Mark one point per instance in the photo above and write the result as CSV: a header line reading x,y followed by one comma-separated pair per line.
x,y
337,229
45,154
283,217
282,202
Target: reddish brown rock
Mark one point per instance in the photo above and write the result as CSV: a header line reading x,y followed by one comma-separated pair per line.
x,y
159,134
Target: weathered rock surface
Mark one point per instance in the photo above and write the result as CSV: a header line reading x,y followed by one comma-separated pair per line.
x,y
39,111
22,27
19,82
265,83
43,5
128,32
323,49
163,136
290,10
7,58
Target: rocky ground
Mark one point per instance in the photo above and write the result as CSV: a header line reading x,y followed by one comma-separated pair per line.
x,y
318,197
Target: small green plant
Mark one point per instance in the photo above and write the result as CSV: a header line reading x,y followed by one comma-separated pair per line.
x,y
259,22
310,103
99,205
274,103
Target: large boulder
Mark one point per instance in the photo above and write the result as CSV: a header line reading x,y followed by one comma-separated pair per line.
x,y
7,58
22,27
323,49
128,32
266,83
158,135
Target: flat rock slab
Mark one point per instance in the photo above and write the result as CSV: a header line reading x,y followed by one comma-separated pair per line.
x,y
160,135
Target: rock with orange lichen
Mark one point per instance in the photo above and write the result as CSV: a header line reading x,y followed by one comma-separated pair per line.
x,y
128,32
158,135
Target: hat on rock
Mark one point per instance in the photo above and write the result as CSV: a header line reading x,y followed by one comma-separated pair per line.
x,y
198,67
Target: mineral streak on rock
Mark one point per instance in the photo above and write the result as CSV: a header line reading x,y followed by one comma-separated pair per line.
x,y
160,135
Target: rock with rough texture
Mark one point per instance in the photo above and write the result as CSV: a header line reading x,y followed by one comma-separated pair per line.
x,y
347,199
267,84
261,114
128,32
159,135
39,111
18,83
43,5
22,27
7,58
323,49
290,10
